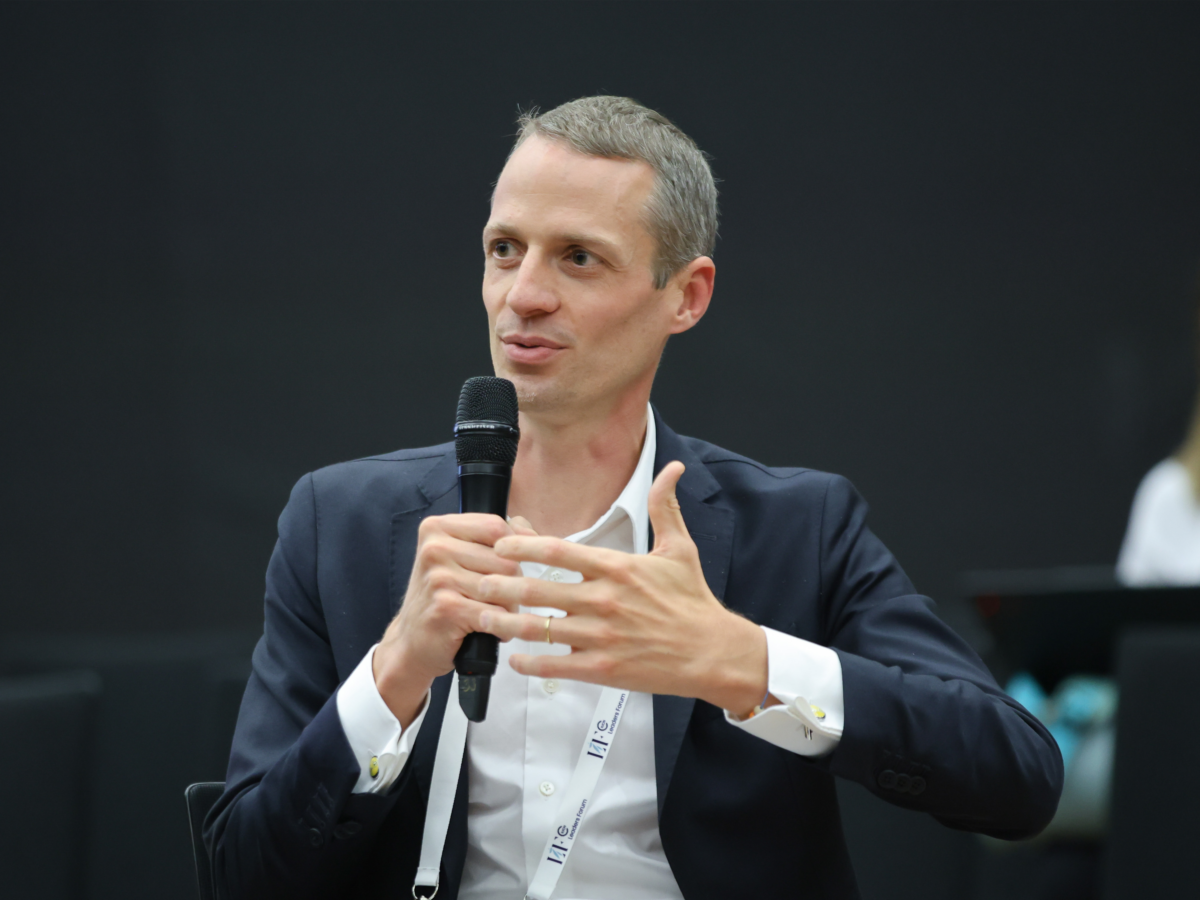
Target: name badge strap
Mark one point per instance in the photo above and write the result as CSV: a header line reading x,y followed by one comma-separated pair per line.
x,y
447,765
575,803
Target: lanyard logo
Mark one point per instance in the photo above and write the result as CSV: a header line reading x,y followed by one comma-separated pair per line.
x,y
597,746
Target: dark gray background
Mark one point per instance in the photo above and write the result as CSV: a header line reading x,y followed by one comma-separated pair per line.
x,y
240,242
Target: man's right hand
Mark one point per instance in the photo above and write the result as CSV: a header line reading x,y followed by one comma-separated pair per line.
x,y
440,607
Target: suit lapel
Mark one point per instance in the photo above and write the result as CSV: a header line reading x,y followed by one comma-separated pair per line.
x,y
440,498
711,527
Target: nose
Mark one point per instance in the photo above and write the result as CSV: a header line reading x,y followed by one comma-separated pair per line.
x,y
532,292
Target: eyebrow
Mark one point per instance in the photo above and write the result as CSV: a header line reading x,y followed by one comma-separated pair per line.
x,y
498,228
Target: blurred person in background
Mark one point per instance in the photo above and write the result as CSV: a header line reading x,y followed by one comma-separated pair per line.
x,y
1162,540
1161,548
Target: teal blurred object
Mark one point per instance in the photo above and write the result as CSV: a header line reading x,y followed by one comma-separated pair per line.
x,y
1025,689
1080,715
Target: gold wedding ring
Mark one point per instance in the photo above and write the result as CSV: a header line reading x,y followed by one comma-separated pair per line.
x,y
548,641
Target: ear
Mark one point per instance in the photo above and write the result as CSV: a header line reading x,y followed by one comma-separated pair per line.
x,y
694,287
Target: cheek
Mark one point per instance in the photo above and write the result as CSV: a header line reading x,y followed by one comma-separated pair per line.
x,y
641,316
632,331
493,295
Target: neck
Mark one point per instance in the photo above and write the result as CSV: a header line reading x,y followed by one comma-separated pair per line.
x,y
568,473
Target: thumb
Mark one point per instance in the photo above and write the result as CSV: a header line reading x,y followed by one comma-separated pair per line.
x,y
521,525
665,516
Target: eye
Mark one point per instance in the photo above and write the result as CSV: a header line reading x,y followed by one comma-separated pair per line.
x,y
503,251
581,257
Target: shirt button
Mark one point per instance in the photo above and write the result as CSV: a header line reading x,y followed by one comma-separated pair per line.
x,y
554,575
546,788
550,686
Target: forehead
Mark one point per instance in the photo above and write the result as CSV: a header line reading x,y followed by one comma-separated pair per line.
x,y
547,184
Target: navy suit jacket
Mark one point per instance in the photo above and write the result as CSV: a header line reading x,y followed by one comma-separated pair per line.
x,y
787,548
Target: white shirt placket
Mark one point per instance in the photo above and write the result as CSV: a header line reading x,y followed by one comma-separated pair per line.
x,y
557,725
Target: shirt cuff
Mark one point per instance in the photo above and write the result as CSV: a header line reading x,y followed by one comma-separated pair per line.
x,y
806,678
379,744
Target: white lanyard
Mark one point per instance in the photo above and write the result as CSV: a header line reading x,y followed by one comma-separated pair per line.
x,y
446,767
567,822
574,807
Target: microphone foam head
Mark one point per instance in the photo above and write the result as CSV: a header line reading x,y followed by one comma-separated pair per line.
x,y
485,429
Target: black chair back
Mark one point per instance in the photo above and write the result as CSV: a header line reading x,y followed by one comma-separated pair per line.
x,y
200,799
164,720
1156,780
47,736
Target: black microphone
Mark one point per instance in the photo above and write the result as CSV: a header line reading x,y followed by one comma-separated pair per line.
x,y
485,445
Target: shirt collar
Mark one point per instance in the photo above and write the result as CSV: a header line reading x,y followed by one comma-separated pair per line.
x,y
634,500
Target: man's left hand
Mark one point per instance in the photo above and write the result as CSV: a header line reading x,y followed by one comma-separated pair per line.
x,y
645,623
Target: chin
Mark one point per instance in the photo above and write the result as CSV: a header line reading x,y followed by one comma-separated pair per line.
x,y
535,395
541,394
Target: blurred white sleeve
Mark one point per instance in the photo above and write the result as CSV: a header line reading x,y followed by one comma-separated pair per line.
x,y
1162,541
807,680
380,745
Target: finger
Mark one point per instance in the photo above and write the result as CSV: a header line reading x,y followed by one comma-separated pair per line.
x,y
478,528
521,525
461,612
441,550
591,562
468,585
468,556
579,665
665,516
528,627
511,592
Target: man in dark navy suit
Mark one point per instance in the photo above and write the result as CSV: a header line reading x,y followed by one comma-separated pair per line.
x,y
758,637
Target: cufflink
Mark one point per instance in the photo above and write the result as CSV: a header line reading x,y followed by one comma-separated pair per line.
x,y
374,769
799,703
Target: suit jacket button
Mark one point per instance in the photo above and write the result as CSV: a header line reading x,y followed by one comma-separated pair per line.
x,y
887,780
316,838
903,783
918,785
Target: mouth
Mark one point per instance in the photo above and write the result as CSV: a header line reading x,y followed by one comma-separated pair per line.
x,y
530,349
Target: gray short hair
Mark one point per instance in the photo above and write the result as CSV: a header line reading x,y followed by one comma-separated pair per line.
x,y
681,213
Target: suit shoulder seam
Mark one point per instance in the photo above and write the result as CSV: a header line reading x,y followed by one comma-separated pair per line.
x,y
780,472
384,458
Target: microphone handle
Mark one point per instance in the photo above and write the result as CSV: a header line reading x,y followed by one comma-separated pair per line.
x,y
482,488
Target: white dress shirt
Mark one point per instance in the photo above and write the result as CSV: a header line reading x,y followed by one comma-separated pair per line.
x,y
521,757
1162,542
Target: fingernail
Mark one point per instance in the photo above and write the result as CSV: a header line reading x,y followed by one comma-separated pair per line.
x,y
485,621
